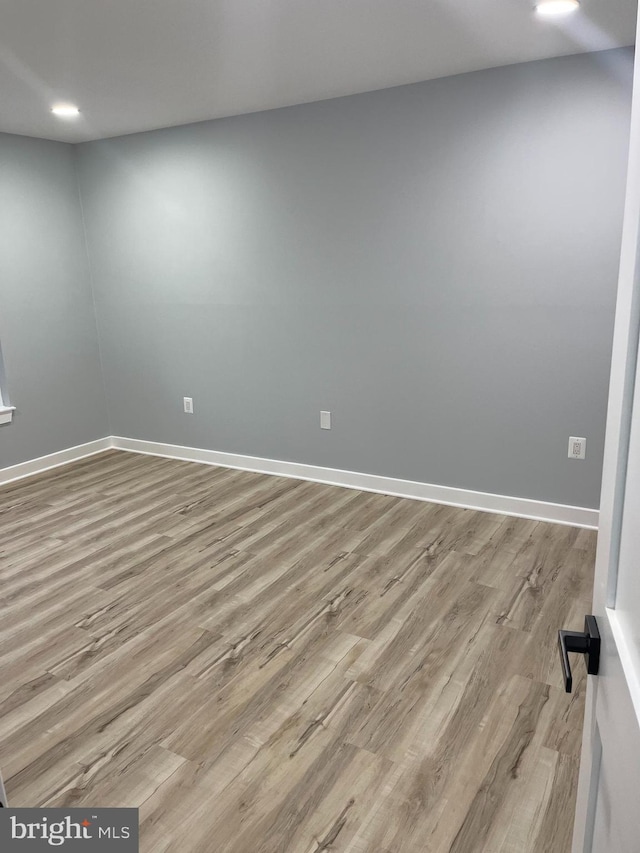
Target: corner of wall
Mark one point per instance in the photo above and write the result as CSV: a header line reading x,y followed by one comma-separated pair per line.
x,y
91,283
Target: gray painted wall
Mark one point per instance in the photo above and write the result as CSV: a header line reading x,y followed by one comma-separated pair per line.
x,y
435,264
47,318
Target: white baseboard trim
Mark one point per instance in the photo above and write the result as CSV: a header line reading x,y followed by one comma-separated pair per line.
x,y
54,460
501,504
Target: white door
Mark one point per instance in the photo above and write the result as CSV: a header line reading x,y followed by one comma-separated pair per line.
x,y
608,807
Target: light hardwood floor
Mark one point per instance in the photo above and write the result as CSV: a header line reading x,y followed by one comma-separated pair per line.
x,y
263,664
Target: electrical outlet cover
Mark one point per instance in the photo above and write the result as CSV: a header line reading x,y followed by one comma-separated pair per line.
x,y
577,447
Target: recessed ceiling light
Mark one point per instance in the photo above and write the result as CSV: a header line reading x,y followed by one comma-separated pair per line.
x,y
65,110
551,8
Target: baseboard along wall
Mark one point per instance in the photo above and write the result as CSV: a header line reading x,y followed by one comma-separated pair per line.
x,y
54,460
464,498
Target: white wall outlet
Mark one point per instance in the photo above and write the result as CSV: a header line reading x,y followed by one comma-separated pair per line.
x,y
577,447
325,420
188,405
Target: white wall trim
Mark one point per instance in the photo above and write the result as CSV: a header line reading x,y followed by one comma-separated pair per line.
x,y
501,504
6,413
484,501
54,460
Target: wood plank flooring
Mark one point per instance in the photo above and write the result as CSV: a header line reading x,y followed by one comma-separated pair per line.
x,y
264,664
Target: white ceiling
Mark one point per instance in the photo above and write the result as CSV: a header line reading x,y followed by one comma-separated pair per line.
x,y
134,65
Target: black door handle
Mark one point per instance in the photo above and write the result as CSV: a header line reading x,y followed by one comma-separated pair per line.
x,y
587,643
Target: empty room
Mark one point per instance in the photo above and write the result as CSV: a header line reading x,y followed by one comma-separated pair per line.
x,y
319,426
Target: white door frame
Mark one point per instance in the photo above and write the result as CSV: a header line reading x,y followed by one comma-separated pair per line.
x,y
624,362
